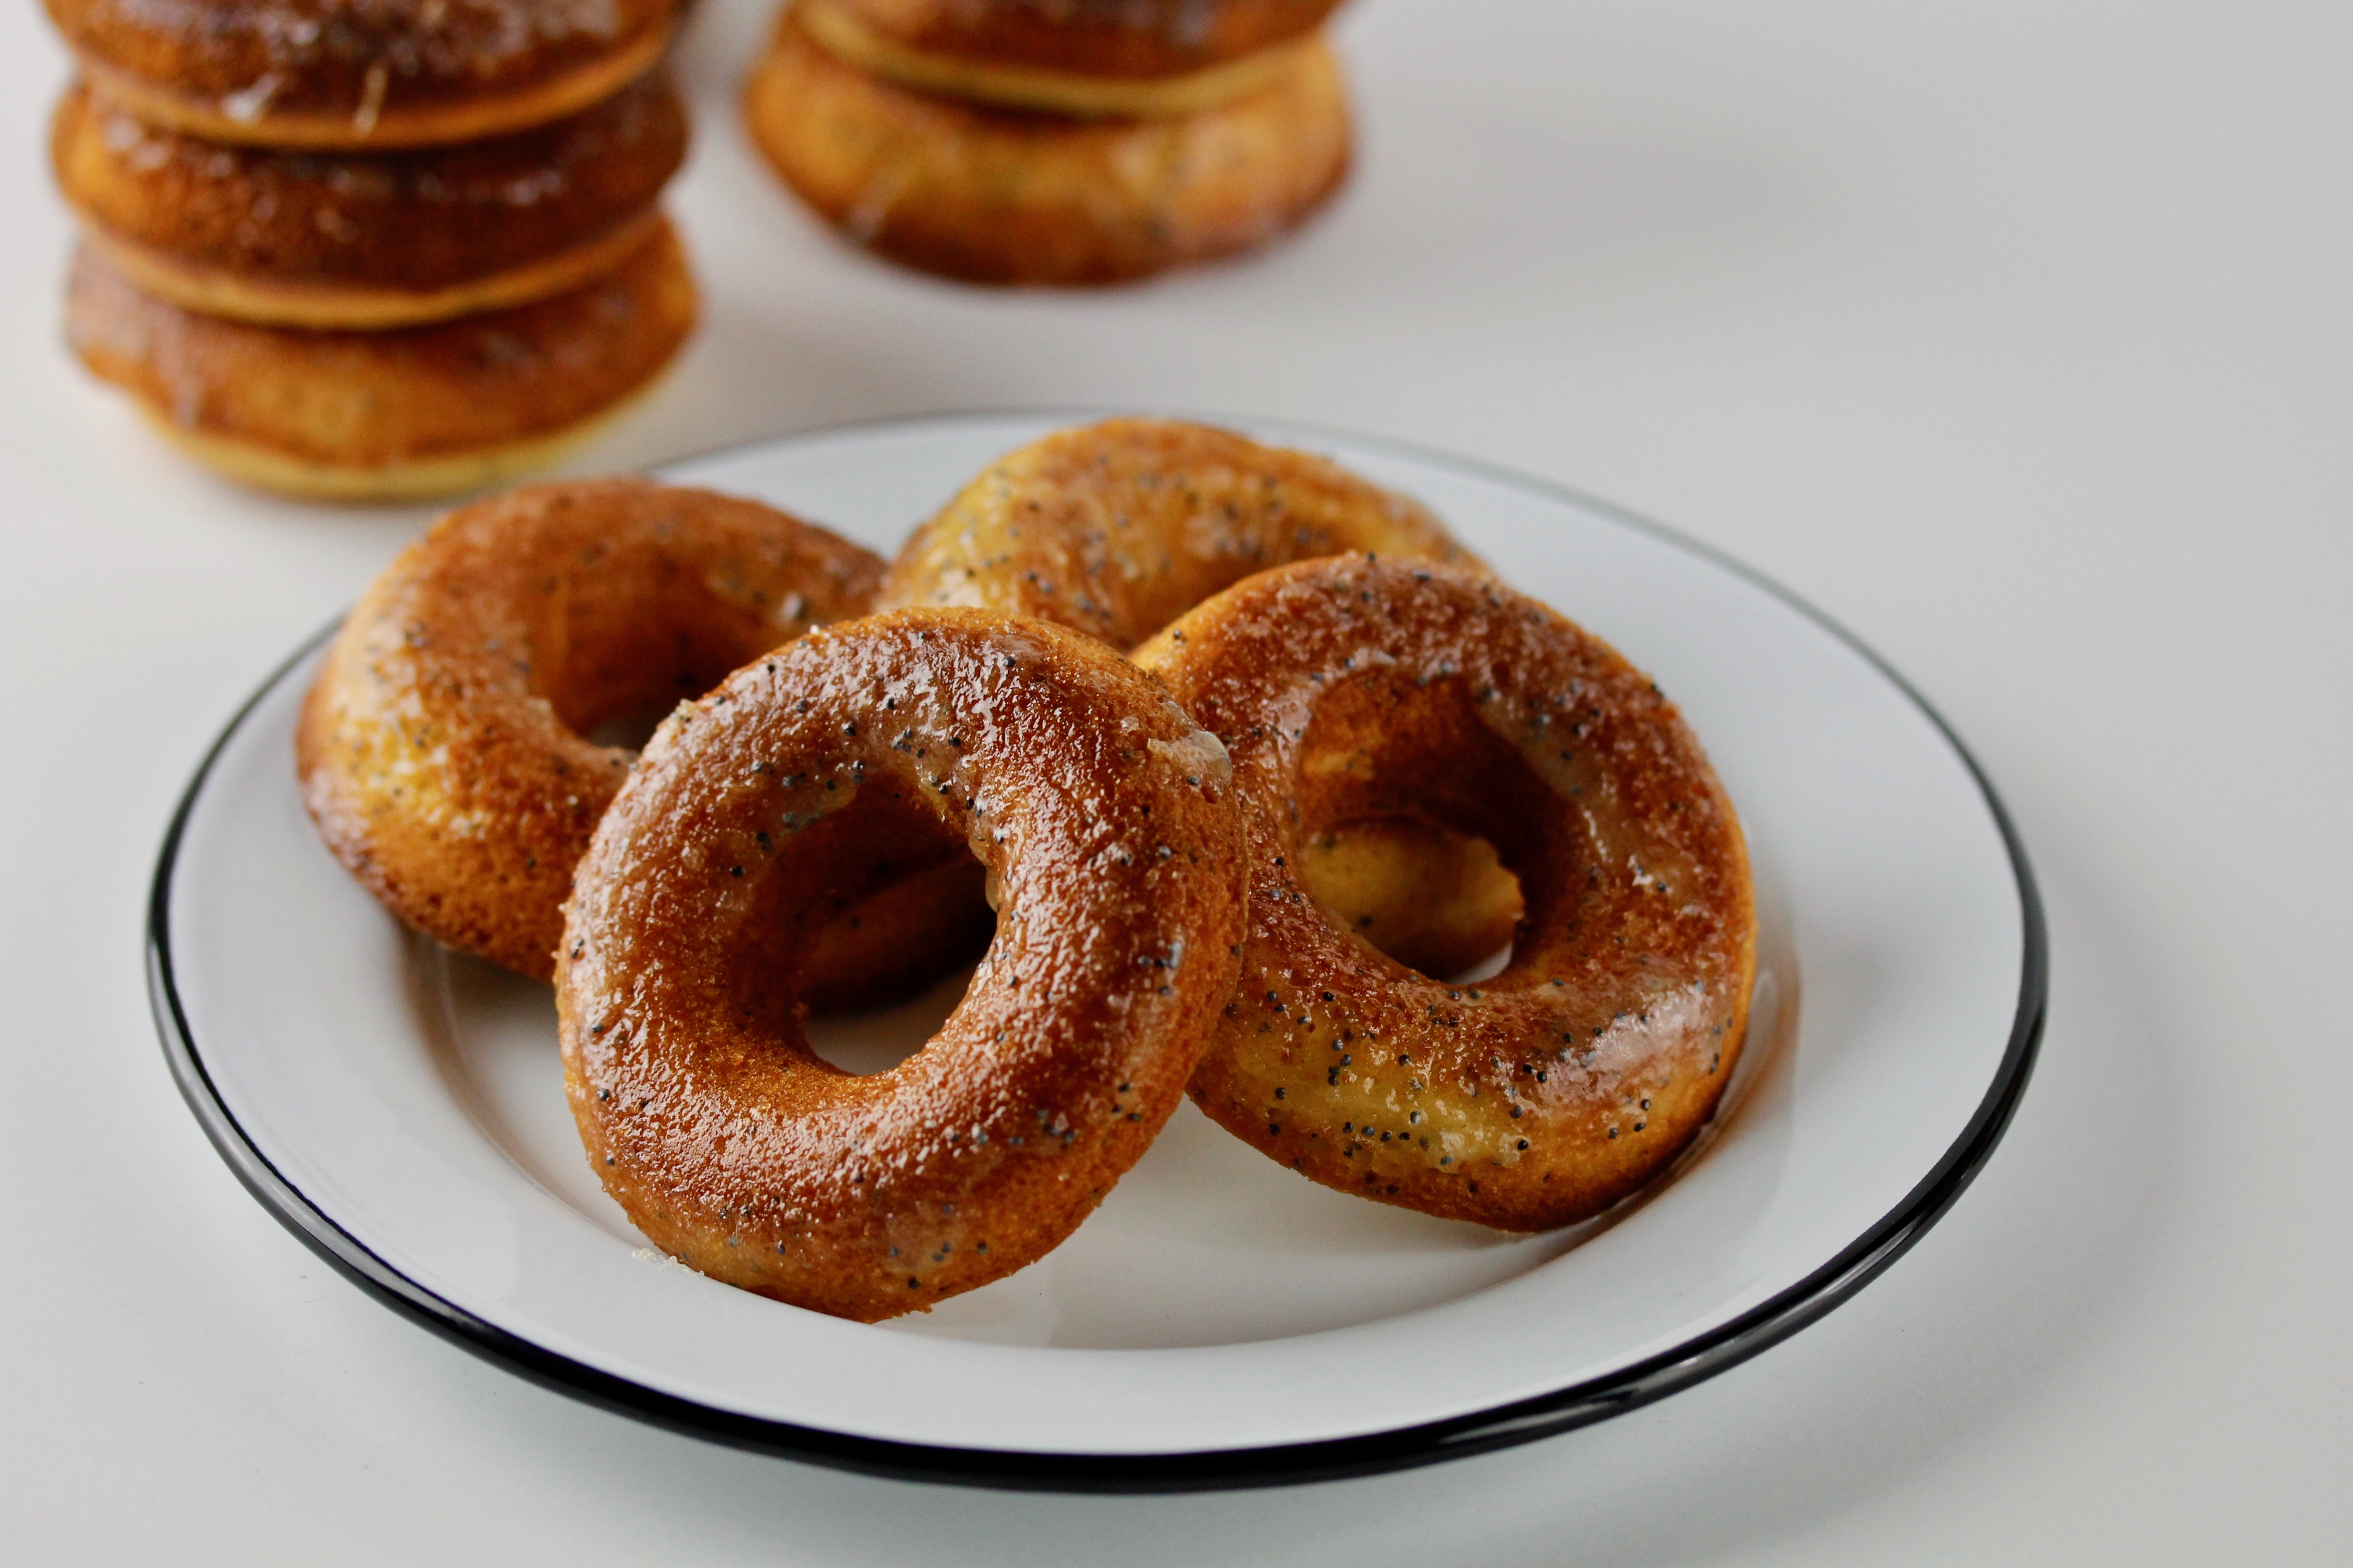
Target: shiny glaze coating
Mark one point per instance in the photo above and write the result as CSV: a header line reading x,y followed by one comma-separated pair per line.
x,y
420,411
369,239
1100,812
1117,529
1353,688
1123,38
1000,195
361,73
443,747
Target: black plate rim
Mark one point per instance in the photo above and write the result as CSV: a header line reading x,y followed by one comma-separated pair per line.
x,y
1501,1427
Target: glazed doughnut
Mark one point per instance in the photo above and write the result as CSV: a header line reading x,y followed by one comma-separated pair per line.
x,y
1352,688
1002,195
1118,527
421,411
1130,39
444,747
1099,811
360,73
369,240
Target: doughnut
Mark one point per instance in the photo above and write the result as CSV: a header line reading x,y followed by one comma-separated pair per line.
x,y
993,195
1117,529
421,411
1102,815
360,73
368,240
445,748
1351,688
1128,39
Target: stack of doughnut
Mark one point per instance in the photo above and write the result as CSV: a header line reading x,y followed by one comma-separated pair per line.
x,y
1053,141
1230,758
372,249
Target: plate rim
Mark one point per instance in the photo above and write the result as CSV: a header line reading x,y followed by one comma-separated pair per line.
x,y
1575,1404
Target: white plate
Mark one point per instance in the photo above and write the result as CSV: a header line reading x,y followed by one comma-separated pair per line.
x,y
1219,1321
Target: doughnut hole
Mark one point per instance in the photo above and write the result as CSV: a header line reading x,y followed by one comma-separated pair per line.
x,y
1446,838
615,648
890,900
1435,899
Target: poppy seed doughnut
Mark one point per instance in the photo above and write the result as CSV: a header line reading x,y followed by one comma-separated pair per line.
x,y
435,409
368,240
990,194
1101,813
445,750
1536,1098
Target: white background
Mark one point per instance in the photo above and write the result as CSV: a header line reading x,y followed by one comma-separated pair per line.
x,y
2015,336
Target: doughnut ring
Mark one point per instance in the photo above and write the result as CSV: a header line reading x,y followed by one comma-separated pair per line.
x,y
443,749
372,416
991,194
1100,812
1350,688
368,240
360,73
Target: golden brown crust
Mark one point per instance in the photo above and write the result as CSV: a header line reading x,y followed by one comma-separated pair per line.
x,y
1099,809
1001,196
1347,688
443,748
361,73
1127,38
348,408
369,240
1118,527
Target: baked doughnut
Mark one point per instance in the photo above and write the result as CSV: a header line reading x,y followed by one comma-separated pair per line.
x,y
444,748
1118,527
1130,40
421,411
369,240
1099,811
994,194
360,73
1351,688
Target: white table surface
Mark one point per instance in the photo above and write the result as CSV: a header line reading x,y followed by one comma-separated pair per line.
x,y
2015,336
